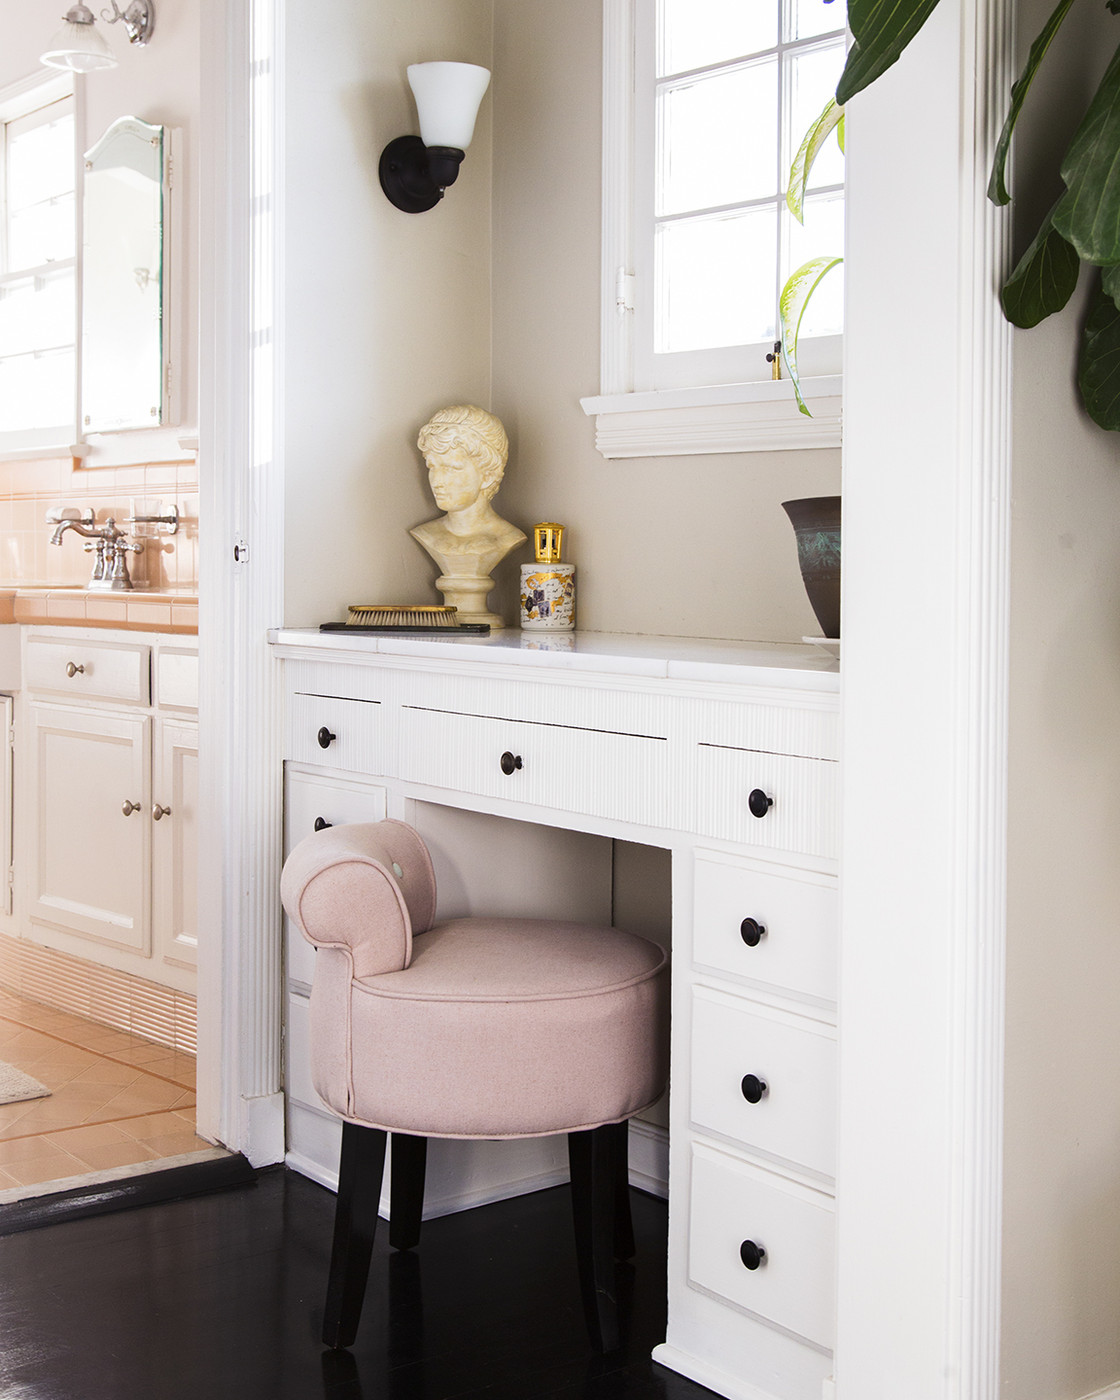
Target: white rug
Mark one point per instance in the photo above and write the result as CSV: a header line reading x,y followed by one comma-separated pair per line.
x,y
15,1086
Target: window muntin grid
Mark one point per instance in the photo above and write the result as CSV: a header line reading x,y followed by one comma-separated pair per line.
x,y
37,274
734,88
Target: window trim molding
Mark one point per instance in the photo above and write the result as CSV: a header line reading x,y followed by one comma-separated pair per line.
x,y
758,416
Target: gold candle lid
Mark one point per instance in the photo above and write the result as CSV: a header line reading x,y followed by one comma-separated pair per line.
x,y
547,539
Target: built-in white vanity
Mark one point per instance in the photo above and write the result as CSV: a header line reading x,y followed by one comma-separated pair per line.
x,y
105,852
725,756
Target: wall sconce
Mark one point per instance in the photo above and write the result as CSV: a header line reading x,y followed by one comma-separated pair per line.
x,y
79,46
415,170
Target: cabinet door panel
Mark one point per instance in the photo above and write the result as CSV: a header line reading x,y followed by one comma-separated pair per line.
x,y
91,863
175,843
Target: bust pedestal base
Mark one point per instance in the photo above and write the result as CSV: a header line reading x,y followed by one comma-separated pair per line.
x,y
467,595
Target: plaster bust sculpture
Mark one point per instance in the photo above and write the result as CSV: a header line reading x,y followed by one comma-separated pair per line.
x,y
466,449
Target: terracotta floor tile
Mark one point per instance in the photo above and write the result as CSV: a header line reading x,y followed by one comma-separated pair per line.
x,y
174,1144
103,1071
6,1181
22,1149
122,1154
77,1140
45,1168
154,1125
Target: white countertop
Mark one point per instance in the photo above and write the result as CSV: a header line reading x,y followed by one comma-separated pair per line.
x,y
802,665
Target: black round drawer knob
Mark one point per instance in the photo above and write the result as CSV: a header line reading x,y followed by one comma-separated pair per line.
x,y
325,737
759,803
751,1254
321,823
510,762
753,1088
753,932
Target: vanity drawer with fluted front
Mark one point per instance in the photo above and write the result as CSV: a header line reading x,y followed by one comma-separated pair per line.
x,y
771,800
332,732
766,923
763,1242
79,669
765,1078
621,776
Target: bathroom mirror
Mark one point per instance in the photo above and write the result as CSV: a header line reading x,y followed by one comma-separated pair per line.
x,y
124,210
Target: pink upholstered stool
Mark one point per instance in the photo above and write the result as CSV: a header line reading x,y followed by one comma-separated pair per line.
x,y
471,1028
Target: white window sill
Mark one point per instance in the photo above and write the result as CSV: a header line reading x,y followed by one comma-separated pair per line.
x,y
759,417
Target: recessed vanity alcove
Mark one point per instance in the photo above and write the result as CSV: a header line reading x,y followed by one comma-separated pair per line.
x,y
523,767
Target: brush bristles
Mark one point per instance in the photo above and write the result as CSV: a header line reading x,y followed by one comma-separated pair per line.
x,y
392,615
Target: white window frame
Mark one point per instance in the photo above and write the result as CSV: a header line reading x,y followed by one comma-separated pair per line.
x,y
750,416
17,101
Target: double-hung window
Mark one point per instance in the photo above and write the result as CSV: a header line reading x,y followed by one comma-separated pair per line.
x,y
705,105
38,299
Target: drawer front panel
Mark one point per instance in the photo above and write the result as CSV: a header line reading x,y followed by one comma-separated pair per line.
x,y
307,799
88,670
797,910
623,776
335,733
804,815
732,1203
795,1059
176,678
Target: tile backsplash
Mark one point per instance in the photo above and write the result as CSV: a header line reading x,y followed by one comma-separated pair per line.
x,y
28,489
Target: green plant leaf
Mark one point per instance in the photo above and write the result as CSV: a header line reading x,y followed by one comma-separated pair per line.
x,y
1110,276
840,125
997,187
799,287
1089,215
882,30
1098,373
815,138
1043,280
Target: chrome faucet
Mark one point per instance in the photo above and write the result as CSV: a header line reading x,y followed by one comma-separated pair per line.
x,y
109,547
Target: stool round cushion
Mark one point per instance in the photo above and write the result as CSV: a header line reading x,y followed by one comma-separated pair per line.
x,y
510,1028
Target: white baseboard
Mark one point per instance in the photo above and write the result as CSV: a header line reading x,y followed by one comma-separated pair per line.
x,y
649,1158
699,1371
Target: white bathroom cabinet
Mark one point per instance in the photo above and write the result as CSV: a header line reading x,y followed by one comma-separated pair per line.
x,y
521,765
108,799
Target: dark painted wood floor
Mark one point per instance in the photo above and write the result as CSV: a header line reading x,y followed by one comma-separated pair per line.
x,y
221,1296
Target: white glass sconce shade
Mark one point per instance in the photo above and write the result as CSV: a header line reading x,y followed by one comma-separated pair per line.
x,y
447,101
78,45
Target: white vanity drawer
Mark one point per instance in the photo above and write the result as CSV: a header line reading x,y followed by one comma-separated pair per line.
x,y
773,926
624,776
311,799
737,1048
804,815
89,670
733,1203
334,733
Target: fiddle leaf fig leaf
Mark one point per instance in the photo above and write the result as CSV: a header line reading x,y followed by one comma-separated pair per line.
x,y
1043,280
997,186
795,296
815,138
1110,276
1098,374
882,30
1089,214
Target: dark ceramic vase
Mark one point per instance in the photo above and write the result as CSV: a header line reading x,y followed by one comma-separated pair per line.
x,y
816,523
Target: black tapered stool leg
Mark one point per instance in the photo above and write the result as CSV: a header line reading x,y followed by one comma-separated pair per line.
x,y
623,1220
408,1158
360,1170
592,1158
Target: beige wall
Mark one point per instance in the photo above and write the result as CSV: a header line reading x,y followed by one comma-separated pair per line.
x,y
387,314
389,317
1061,1274
692,546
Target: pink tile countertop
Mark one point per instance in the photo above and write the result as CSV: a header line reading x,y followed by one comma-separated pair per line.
x,y
74,607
